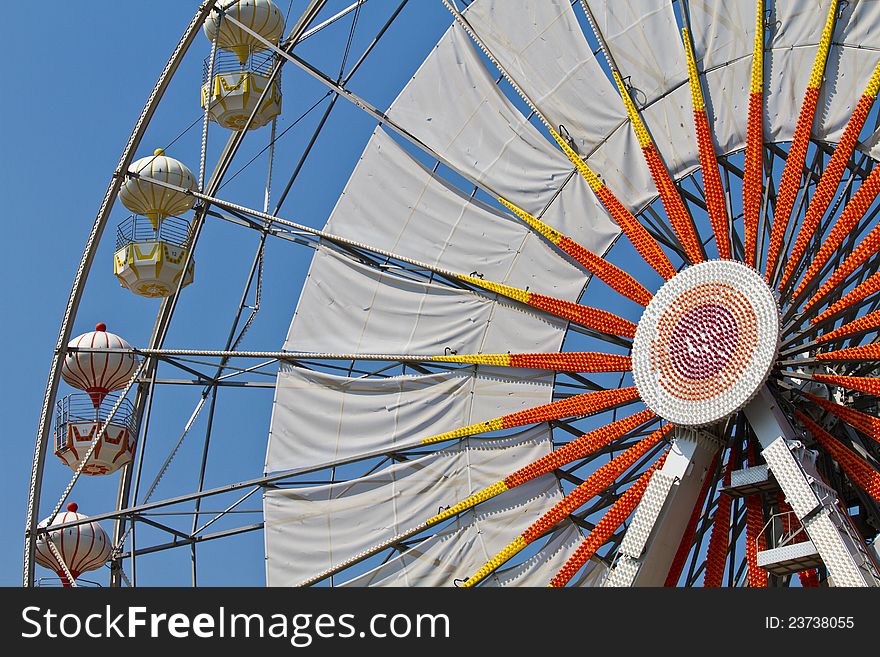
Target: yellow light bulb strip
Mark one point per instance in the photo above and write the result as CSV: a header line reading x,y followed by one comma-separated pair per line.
x,y
550,234
716,202
640,238
679,217
573,361
576,406
616,515
793,170
610,274
579,448
591,318
753,171
600,480
477,498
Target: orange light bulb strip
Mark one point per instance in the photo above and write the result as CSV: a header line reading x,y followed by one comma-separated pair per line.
x,y
579,448
753,171
637,234
863,290
862,352
613,276
860,383
831,177
716,203
849,218
576,406
616,515
687,537
867,424
755,541
809,578
640,238
864,323
592,486
719,541
856,468
797,154
679,217
572,361
591,318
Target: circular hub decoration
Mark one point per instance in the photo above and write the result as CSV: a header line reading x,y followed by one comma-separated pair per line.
x,y
706,343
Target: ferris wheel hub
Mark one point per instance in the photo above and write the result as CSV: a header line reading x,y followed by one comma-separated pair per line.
x,y
706,343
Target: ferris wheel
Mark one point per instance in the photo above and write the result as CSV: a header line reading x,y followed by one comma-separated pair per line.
x,y
597,306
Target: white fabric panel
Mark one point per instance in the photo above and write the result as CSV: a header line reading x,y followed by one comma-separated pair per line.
x,y
577,213
786,75
671,122
620,163
540,568
392,202
860,24
862,30
347,307
309,530
726,91
321,418
799,22
476,536
645,43
722,31
846,76
541,45
454,106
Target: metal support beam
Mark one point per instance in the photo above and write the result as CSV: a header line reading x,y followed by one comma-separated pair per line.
x,y
814,502
664,511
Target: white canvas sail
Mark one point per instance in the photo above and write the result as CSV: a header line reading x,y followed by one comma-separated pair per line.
x,y
322,418
542,47
332,523
394,201
456,552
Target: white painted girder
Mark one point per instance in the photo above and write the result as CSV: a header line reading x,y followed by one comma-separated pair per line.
x,y
653,536
814,502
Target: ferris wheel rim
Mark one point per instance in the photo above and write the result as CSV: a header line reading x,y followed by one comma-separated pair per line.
x,y
166,310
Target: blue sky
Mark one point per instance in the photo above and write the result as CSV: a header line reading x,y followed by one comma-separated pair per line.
x,y
77,76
